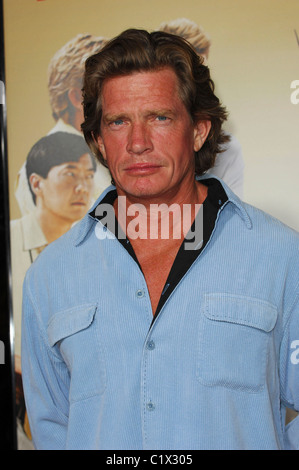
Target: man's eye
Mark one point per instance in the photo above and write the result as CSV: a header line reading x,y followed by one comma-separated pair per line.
x,y
118,122
162,118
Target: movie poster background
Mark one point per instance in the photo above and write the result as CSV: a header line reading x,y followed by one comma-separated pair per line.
x,y
254,61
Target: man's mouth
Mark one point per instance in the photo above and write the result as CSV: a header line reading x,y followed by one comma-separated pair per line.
x,y
142,168
78,203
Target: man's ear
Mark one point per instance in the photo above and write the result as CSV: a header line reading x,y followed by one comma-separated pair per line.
x,y
35,182
101,146
75,97
201,132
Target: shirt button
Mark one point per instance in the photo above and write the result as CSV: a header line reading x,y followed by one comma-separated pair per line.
x,y
140,293
150,406
150,345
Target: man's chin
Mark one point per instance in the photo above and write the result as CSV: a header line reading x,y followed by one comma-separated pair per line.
x,y
142,188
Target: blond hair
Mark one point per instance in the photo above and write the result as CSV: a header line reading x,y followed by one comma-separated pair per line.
x,y
190,31
66,70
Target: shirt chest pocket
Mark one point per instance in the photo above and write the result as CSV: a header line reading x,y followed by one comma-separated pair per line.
x,y
75,334
234,337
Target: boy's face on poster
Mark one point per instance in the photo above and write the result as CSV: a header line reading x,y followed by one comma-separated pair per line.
x,y
67,190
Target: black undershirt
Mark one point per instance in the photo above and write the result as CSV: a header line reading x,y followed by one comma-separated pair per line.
x,y
215,199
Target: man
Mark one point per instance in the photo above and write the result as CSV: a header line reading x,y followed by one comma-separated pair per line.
x,y
229,164
141,342
60,173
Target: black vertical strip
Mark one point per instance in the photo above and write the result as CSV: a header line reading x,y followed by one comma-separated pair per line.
x,y
8,439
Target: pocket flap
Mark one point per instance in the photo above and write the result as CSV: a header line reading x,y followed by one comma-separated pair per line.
x,y
241,310
69,322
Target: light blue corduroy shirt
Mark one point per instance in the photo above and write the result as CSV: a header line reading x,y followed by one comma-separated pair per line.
x,y
215,370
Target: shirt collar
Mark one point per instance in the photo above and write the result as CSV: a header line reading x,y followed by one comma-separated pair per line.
x,y
82,228
238,204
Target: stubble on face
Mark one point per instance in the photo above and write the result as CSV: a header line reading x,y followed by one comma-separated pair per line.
x,y
147,136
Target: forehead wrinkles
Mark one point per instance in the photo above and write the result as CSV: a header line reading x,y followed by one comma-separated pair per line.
x,y
157,88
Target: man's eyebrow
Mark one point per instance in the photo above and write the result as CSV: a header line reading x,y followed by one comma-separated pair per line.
x,y
150,112
70,165
113,117
162,111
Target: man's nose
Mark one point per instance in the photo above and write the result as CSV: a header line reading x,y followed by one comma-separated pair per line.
x,y
139,140
81,186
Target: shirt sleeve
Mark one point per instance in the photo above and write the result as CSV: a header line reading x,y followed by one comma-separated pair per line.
x,y
45,379
289,375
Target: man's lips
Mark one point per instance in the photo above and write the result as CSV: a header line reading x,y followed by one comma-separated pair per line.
x,y
142,167
78,203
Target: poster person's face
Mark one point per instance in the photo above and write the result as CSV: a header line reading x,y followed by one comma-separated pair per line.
x,y
147,136
67,190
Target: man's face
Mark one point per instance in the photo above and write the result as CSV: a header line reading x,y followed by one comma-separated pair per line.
x,y
147,135
67,190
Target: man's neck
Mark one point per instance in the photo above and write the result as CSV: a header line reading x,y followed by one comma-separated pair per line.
x,y
160,231
144,219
